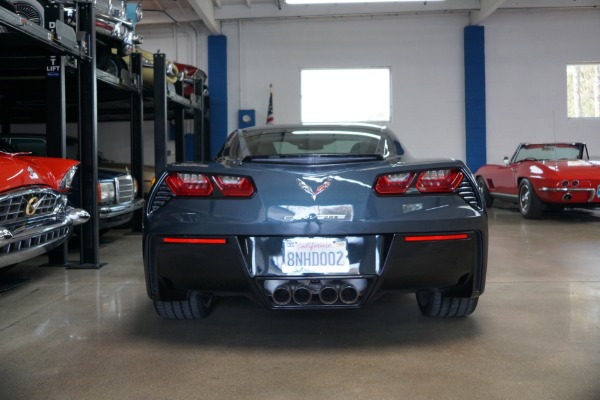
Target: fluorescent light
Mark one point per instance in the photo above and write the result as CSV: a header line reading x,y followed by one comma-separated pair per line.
x,y
349,1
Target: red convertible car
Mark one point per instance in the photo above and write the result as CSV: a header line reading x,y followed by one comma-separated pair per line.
x,y
34,214
543,176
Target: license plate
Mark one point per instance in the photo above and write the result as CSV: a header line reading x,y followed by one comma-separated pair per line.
x,y
315,255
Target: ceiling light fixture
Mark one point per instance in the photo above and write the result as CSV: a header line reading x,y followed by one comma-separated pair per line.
x,y
350,1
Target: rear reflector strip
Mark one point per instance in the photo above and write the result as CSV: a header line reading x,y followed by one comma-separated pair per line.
x,y
435,238
194,241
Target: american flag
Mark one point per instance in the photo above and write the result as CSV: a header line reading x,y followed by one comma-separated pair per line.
x,y
270,116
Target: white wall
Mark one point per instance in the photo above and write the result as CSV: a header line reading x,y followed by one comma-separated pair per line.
x,y
526,57
424,53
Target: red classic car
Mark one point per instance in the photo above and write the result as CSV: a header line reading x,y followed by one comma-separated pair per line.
x,y
34,214
543,176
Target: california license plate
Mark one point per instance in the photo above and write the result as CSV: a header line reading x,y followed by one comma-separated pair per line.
x,y
315,255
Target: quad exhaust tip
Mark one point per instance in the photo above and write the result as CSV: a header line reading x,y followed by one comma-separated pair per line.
x,y
284,292
302,295
328,294
282,295
348,294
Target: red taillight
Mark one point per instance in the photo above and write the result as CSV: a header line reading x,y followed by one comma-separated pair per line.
x,y
431,181
436,238
194,241
185,184
441,180
200,185
236,186
394,183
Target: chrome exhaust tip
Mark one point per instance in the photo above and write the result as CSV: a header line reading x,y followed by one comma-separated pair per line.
x,y
328,294
302,295
348,294
567,197
282,295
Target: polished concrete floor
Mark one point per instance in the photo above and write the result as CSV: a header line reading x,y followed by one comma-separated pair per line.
x,y
93,334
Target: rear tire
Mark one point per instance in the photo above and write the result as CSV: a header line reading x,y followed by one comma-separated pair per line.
x,y
530,204
198,305
489,200
435,304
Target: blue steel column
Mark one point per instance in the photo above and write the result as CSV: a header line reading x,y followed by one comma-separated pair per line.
x,y
217,85
475,113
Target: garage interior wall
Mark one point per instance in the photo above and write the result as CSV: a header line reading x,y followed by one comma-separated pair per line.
x,y
526,54
526,59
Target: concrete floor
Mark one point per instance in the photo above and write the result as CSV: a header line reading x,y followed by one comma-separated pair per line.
x,y
93,334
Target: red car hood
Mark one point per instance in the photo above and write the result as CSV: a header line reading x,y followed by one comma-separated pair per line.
x,y
18,170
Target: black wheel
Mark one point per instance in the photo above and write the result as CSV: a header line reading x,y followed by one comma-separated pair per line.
x,y
530,204
115,66
198,305
489,200
434,304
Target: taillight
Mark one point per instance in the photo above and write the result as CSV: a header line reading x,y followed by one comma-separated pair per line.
x,y
236,186
200,185
441,180
431,181
185,184
394,183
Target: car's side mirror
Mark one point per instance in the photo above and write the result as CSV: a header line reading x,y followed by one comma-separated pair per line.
x,y
506,161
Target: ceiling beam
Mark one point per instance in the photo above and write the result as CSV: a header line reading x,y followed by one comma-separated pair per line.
x,y
487,8
206,12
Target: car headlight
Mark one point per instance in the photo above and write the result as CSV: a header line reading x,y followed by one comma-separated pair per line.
x,y
67,179
106,192
135,188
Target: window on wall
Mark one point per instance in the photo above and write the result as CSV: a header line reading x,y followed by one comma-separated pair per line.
x,y
583,91
345,95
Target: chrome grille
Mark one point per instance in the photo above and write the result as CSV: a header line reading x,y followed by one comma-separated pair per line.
x,y
467,192
161,196
35,241
125,190
13,206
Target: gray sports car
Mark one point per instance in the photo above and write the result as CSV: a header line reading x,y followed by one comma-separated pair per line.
x,y
311,217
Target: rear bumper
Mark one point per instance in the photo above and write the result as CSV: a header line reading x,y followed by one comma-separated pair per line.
x,y
382,263
583,196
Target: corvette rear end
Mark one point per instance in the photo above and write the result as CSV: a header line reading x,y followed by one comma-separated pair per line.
x,y
315,227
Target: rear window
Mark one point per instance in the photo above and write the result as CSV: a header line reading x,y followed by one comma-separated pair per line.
x,y
311,142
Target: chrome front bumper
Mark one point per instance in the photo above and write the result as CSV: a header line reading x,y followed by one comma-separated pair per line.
x,y
112,211
32,240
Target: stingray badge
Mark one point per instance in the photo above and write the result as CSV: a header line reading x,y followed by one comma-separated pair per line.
x,y
304,186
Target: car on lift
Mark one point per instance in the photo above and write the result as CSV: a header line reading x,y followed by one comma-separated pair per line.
x,y
312,217
543,176
35,216
117,189
114,20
